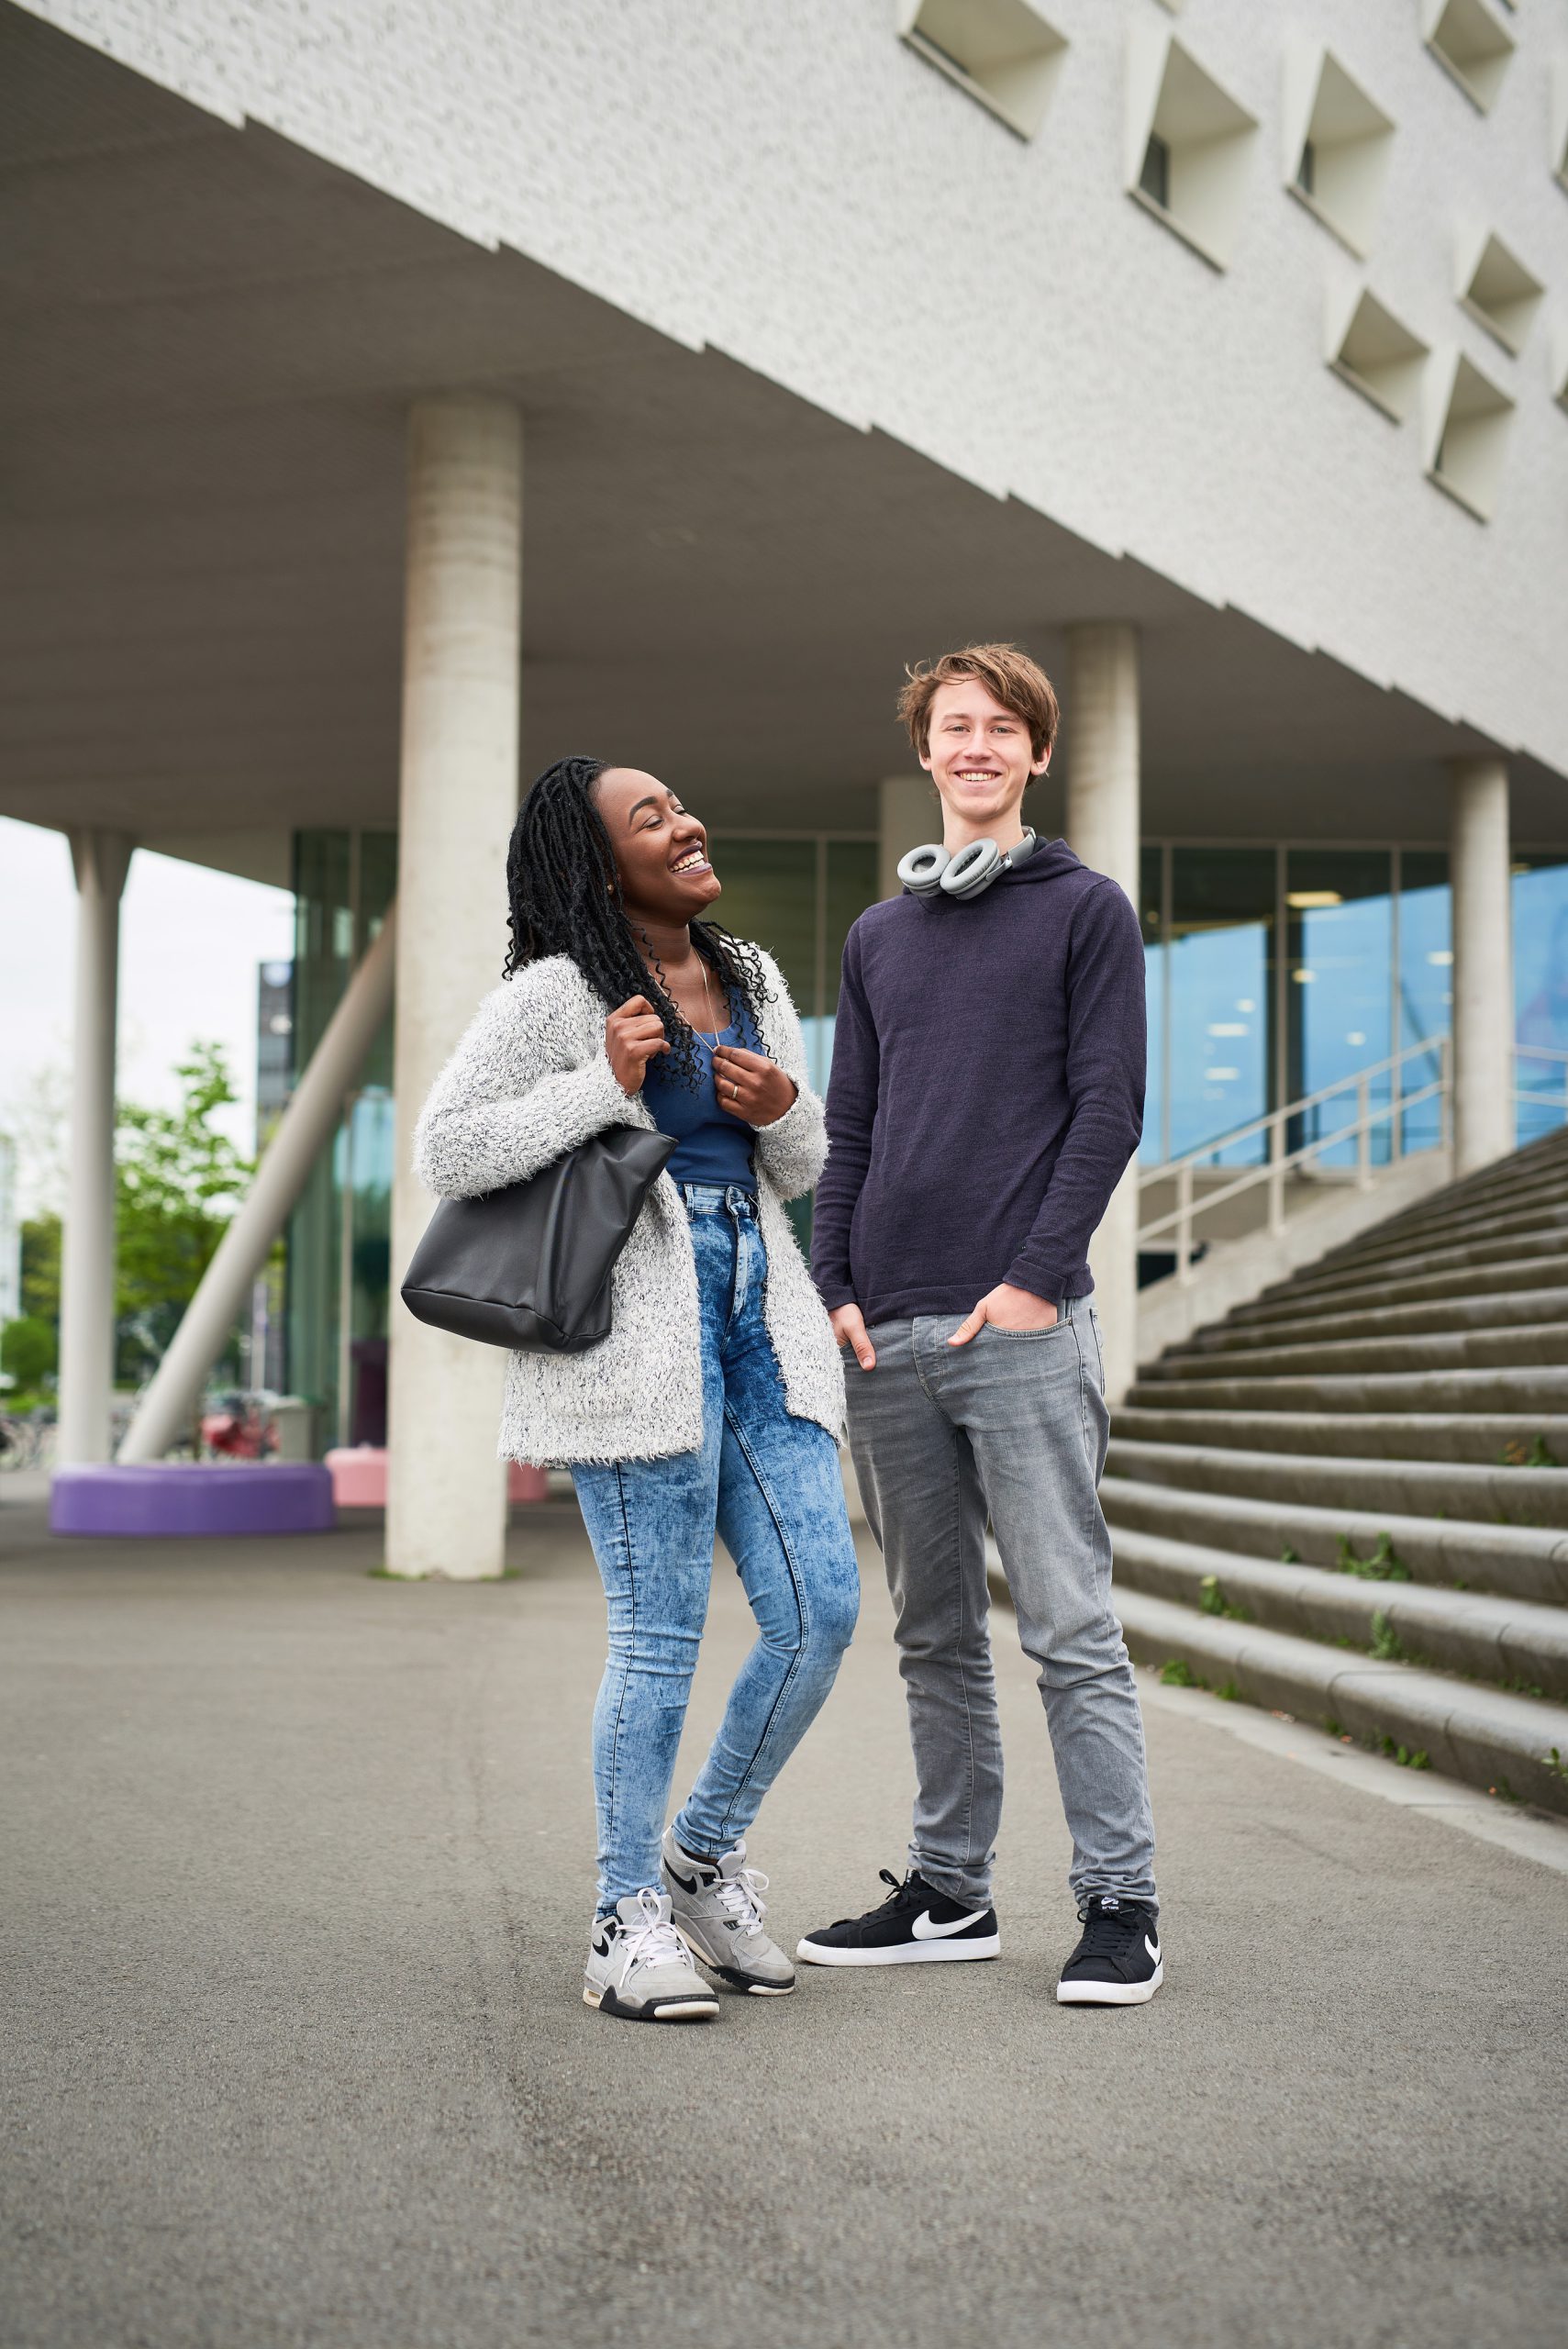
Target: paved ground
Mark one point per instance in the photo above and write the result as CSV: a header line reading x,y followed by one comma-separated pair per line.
x,y
295,1891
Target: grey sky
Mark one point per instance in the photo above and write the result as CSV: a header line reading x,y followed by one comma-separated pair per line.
x,y
190,944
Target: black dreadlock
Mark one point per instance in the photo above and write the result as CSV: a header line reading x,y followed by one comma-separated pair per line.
x,y
563,897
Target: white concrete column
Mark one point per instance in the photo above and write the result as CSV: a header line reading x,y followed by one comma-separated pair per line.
x,y
446,1489
908,814
1103,795
1482,963
87,1265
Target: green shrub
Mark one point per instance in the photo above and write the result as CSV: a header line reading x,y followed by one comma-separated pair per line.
x,y
1382,1566
30,1352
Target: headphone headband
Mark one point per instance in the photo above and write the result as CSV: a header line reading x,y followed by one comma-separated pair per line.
x,y
929,870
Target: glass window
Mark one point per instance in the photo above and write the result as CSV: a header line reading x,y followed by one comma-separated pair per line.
x,y
1220,967
1540,992
338,1253
1425,985
1339,1011
852,887
1151,914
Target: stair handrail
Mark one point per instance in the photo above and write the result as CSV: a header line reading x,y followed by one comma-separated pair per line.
x,y
1279,1162
1537,1093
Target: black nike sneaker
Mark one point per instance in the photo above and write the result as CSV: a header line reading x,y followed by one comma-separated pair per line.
x,y
915,1926
1117,1962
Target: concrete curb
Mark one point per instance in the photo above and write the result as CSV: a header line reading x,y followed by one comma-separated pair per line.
x,y
1524,1562
1542,1344
1524,1309
1526,1393
1528,1833
1479,1736
1511,1499
1453,1631
1414,1256
1394,1438
1287,1304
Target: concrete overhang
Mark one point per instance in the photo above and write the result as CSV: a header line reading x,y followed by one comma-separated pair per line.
x,y
210,341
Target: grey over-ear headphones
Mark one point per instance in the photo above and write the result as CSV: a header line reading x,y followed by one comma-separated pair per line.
x,y
930,869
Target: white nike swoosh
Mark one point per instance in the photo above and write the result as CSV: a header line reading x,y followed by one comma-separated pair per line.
x,y
925,1929
1152,1947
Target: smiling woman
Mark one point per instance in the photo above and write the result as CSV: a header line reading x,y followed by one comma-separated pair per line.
x,y
717,1400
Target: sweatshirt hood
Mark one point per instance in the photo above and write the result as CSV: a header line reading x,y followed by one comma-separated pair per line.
x,y
1049,861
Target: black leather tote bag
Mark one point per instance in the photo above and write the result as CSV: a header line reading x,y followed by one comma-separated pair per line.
x,y
530,1266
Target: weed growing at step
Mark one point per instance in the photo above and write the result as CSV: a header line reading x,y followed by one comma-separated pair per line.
x,y
1553,1760
1385,1644
1504,1792
1382,1566
1289,1557
1228,1693
1516,1453
1211,1600
1177,1673
1410,1757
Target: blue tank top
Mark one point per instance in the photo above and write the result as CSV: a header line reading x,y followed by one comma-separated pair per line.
x,y
711,1146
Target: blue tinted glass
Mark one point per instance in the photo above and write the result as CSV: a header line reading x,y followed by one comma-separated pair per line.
x,y
1540,993
1426,985
1338,1010
1150,910
1219,967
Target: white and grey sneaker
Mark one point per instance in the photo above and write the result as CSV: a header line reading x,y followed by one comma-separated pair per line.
x,y
639,1966
718,1905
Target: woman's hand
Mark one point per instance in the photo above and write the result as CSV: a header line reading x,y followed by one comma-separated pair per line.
x,y
751,1086
633,1036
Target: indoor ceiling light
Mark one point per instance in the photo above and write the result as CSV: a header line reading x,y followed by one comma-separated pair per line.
x,y
1307,900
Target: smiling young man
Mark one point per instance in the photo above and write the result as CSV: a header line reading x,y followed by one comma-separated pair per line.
x,y
986,1094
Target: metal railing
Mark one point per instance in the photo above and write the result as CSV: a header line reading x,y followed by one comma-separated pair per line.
x,y
1280,1160
1545,1096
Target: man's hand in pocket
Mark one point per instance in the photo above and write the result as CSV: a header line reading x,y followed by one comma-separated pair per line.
x,y
1009,1308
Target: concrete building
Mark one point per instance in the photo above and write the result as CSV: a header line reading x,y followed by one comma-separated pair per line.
x,y
393,404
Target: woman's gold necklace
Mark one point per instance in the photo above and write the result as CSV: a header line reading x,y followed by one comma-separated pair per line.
x,y
707,998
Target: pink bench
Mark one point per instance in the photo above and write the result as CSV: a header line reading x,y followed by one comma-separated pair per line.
x,y
359,1478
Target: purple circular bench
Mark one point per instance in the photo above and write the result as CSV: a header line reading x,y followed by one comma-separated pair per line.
x,y
185,1497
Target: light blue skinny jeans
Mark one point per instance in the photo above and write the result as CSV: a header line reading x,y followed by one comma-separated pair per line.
x,y
770,1486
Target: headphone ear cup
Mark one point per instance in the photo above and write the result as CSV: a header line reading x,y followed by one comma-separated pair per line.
x,y
921,871
972,869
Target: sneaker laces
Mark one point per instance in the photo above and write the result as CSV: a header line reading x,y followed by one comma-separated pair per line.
x,y
1109,1932
740,1896
656,1941
899,1893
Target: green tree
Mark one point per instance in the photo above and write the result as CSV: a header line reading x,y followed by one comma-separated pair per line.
x,y
178,1179
30,1346
40,1269
29,1353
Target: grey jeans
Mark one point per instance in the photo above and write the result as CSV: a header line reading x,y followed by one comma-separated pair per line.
x,y
1012,1426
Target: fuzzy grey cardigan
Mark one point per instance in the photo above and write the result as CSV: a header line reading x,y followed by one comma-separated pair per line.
x,y
530,1080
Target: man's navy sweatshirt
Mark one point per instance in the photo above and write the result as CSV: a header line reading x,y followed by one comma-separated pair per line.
x,y
987,1094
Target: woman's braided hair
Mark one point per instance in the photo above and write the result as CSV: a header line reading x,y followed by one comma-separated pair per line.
x,y
563,897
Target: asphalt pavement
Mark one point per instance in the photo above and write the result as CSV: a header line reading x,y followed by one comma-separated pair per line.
x,y
296,1877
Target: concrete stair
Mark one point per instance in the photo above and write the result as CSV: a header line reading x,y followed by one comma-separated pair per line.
x,y
1349,1499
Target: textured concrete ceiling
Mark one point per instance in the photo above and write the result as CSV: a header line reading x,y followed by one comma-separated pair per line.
x,y
208,341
